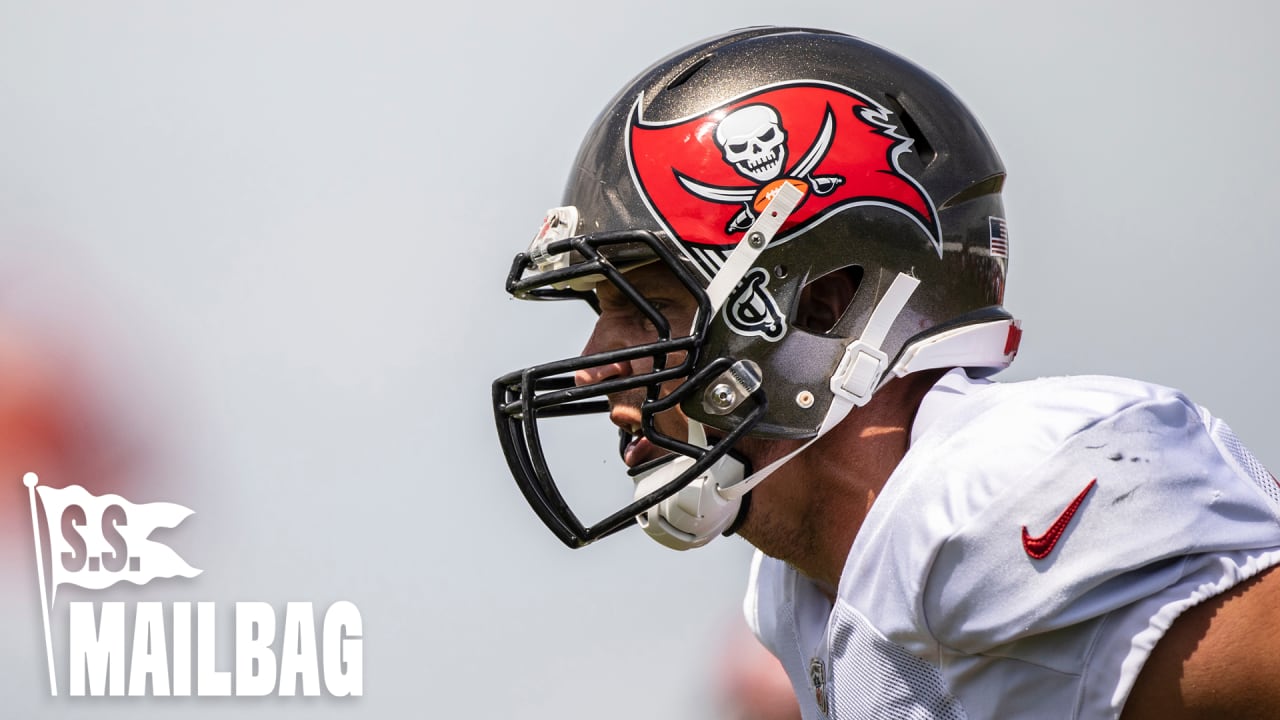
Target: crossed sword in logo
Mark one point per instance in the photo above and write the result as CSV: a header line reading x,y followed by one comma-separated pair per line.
x,y
756,198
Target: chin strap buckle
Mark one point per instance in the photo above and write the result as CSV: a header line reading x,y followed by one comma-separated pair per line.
x,y
864,364
859,372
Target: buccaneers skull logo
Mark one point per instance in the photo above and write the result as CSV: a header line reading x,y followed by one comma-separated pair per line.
x,y
753,141
839,148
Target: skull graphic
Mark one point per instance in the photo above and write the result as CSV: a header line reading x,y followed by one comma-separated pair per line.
x,y
752,140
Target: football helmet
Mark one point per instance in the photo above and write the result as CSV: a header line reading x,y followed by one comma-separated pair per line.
x,y
751,165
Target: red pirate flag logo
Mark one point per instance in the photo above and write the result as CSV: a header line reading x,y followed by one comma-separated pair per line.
x,y
707,177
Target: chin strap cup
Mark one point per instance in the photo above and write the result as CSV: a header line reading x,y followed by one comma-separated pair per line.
x,y
698,513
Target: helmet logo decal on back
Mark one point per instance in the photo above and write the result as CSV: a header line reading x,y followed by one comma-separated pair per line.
x,y
751,310
707,177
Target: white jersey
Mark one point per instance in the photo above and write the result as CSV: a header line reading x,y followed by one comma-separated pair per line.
x,y
1022,561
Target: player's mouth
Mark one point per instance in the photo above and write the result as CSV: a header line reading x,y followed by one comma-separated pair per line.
x,y
636,449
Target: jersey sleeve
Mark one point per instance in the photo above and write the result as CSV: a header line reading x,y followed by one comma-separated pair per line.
x,y
1037,541
1061,573
1121,510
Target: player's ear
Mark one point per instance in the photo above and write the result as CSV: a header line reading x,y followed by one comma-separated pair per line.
x,y
824,300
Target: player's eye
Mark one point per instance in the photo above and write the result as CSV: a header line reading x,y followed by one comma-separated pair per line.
x,y
647,321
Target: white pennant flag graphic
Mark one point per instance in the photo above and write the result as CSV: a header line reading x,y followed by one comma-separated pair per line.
x,y
96,541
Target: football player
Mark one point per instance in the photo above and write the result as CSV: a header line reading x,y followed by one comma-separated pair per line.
x,y
796,246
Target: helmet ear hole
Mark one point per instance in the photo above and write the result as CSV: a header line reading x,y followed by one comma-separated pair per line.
x,y
825,300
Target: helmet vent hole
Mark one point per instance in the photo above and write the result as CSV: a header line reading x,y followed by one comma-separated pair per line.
x,y
824,301
923,149
688,72
991,186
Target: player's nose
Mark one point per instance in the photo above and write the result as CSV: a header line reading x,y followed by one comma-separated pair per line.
x,y
602,340
592,375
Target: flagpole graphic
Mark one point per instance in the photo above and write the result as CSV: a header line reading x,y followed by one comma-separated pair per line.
x,y
30,480
96,541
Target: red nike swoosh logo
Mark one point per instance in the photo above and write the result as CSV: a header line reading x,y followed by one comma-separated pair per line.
x,y
1040,547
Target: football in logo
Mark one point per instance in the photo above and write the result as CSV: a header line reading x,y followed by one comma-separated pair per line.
x,y
707,177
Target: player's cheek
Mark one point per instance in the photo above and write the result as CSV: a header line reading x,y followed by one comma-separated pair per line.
x,y
673,422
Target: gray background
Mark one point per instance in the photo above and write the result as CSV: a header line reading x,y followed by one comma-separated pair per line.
x,y
275,236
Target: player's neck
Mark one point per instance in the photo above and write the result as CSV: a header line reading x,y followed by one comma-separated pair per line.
x,y
810,514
